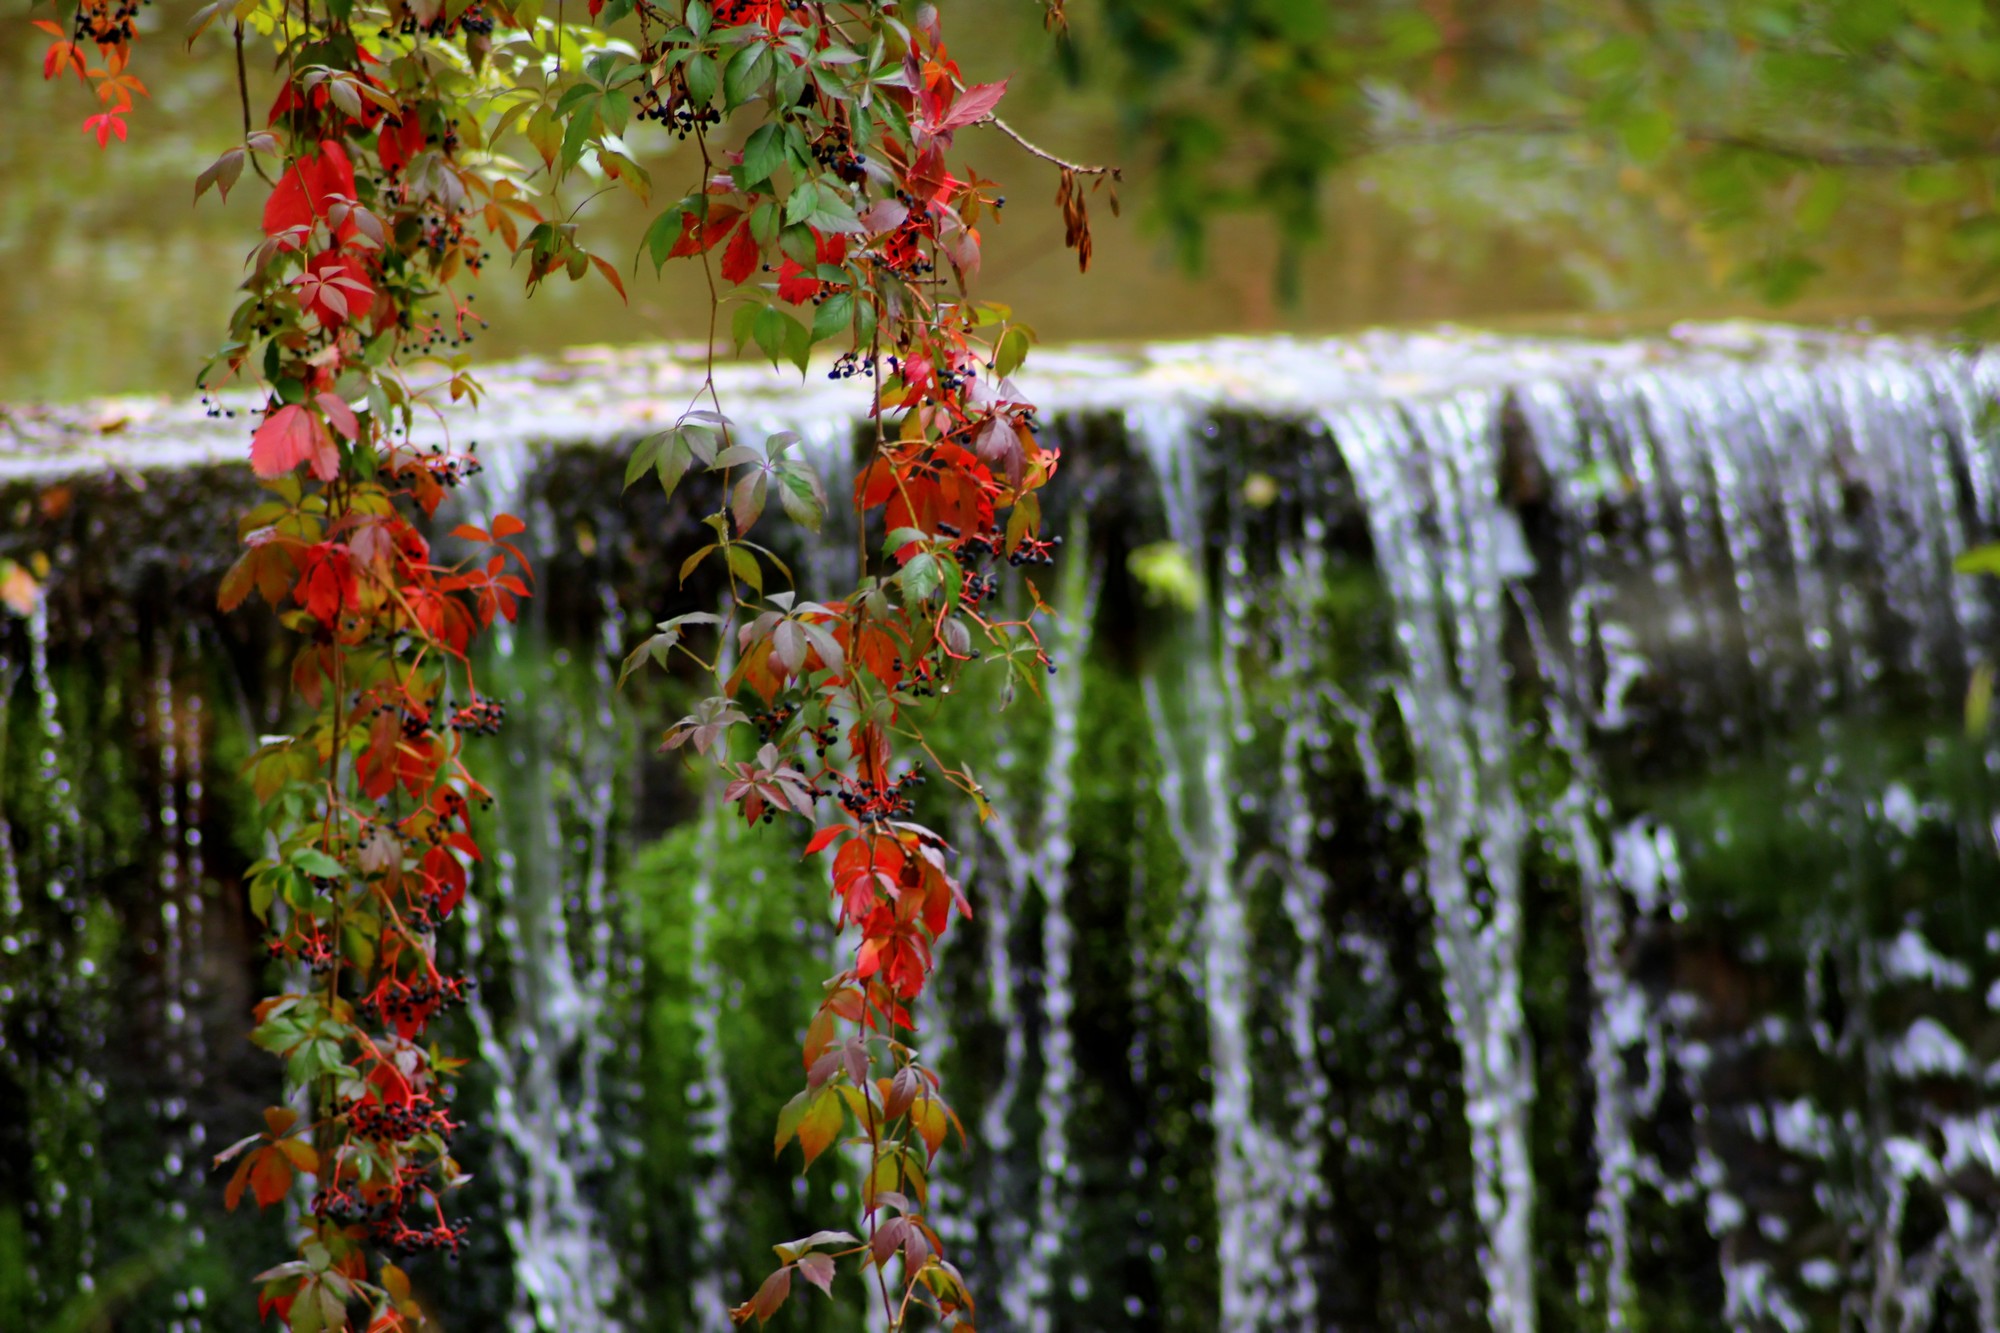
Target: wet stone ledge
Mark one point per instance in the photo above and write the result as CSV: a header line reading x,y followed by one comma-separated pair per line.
x,y
132,501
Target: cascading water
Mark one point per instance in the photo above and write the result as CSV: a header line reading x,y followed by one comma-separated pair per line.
x,y
1447,547
1529,869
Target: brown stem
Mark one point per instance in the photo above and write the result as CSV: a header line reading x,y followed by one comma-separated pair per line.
x,y
1036,150
1812,154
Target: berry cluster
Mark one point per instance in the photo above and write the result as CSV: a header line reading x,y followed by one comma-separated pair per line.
x,y
483,717
213,407
410,1005
835,152
676,112
1034,552
108,24
474,22
405,1240
449,470
770,722
848,365
382,1123
876,803
343,1206
734,13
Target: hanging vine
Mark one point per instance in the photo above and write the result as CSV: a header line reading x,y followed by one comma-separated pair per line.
x,y
825,214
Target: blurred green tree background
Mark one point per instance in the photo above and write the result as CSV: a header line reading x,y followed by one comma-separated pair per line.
x,y
1289,164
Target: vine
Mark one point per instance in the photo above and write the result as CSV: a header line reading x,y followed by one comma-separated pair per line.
x,y
822,131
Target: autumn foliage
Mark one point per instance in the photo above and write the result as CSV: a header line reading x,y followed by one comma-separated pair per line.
x,y
827,207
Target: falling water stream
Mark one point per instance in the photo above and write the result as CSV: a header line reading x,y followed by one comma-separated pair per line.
x,y
1522,867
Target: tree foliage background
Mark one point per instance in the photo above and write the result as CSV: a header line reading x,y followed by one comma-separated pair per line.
x,y
1301,164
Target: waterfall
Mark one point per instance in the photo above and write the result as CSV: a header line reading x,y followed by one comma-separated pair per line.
x,y
1037,856
1197,728
1428,475
551,921
710,1114
1532,867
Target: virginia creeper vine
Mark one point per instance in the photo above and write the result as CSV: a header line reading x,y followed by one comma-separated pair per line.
x,y
821,131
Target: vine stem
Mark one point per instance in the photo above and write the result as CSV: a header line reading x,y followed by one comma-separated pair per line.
x,y
1036,150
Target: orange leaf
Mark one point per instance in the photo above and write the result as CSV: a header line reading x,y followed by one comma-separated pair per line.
x,y
610,276
824,1119
270,1175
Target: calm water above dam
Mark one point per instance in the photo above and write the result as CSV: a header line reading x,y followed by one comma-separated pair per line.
x,y
1504,850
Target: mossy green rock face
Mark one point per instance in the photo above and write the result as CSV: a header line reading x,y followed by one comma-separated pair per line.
x,y
1500,849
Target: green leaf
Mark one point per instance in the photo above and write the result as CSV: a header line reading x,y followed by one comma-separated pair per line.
x,y
312,861
789,1118
801,494
804,199
833,316
701,79
675,459
745,75
645,456
264,892
954,581
769,330
582,126
742,325
1011,352
660,237
744,566
798,343
800,245
1979,560
763,154
920,577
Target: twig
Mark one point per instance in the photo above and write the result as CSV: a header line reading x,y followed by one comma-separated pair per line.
x,y
1825,155
243,96
1036,150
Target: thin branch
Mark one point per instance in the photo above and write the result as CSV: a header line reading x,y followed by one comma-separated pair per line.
x,y
243,96
1036,150
1825,155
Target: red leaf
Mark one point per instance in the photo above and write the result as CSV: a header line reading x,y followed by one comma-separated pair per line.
x,y
302,194
61,56
270,1176
611,275
795,284
779,1285
340,414
335,287
400,140
975,103
105,124
740,260
698,235
817,1269
291,436
822,839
